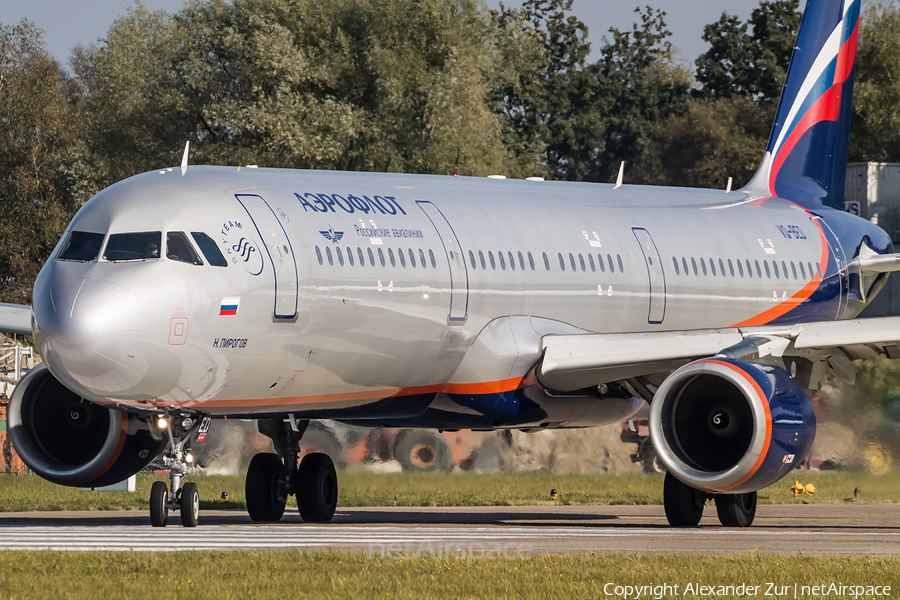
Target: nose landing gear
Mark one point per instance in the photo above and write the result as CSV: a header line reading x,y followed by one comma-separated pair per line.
x,y
271,478
185,498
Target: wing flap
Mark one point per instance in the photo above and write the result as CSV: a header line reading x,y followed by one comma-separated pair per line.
x,y
577,361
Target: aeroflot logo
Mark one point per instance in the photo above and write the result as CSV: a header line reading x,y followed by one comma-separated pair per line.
x,y
385,205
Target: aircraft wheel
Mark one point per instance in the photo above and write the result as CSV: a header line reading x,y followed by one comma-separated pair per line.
x,y
159,504
190,505
261,488
736,510
317,488
684,504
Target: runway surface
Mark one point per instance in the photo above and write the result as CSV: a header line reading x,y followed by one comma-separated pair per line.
x,y
811,529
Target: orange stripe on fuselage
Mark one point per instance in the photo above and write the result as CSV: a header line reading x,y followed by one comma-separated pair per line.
x,y
797,299
765,403
463,389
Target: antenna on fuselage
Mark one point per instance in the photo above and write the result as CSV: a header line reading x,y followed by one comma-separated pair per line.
x,y
621,175
728,187
184,157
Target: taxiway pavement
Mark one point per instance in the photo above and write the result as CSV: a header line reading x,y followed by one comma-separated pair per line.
x,y
852,529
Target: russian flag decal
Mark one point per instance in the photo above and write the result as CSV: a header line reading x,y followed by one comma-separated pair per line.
x,y
229,306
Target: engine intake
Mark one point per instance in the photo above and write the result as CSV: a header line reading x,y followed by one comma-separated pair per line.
x,y
729,426
71,441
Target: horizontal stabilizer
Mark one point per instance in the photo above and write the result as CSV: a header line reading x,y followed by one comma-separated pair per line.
x,y
880,263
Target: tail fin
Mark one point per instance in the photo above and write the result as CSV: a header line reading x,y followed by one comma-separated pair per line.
x,y
806,158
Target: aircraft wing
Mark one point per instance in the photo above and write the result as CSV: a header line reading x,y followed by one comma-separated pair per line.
x,y
15,318
571,362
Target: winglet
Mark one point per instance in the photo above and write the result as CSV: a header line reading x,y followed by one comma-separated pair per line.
x,y
184,157
621,174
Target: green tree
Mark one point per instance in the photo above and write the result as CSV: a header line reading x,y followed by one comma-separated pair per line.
x,y
755,64
548,97
40,157
136,118
638,86
380,85
712,140
875,129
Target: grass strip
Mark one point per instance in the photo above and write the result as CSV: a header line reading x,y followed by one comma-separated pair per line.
x,y
249,575
29,492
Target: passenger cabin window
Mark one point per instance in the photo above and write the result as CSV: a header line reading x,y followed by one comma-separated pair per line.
x,y
209,249
472,258
530,261
371,257
512,261
318,255
562,262
431,256
675,262
82,246
412,258
179,249
359,255
546,261
481,259
133,246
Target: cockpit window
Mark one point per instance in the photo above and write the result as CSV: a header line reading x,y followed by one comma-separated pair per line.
x,y
209,249
178,248
133,246
82,246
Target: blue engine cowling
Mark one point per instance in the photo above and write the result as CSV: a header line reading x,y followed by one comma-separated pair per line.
x,y
70,441
729,426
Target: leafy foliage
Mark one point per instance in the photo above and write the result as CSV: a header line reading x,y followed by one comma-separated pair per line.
x,y
40,170
875,130
741,63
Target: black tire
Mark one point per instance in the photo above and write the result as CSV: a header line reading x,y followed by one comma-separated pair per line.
x,y
736,510
317,488
323,441
190,505
419,450
261,488
684,504
159,504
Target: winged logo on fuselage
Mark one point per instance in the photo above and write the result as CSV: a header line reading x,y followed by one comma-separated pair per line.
x,y
331,235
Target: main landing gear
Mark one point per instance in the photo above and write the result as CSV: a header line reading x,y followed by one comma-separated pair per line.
x,y
184,498
684,505
271,478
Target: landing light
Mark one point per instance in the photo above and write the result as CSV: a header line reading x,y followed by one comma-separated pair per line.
x,y
189,458
162,422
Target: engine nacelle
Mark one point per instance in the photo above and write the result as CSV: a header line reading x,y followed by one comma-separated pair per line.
x,y
729,426
70,441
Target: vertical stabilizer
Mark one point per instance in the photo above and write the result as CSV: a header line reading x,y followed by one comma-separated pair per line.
x,y
806,157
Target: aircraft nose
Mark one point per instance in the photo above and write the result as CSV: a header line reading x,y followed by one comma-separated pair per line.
x,y
86,330
85,305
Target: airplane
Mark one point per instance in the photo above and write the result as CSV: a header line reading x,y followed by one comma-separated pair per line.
x,y
392,300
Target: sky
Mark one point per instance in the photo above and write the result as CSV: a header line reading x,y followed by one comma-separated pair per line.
x,y
67,24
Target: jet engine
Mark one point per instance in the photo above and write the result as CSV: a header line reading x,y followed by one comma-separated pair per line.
x,y
71,441
729,426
